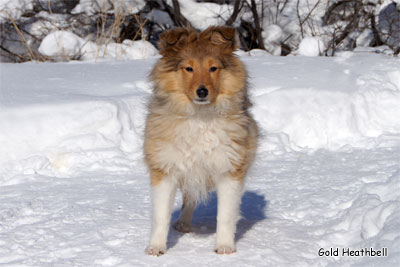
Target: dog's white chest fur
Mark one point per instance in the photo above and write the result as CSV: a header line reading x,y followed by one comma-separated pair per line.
x,y
200,152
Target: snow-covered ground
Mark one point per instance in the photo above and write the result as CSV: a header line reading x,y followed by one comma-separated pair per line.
x,y
74,190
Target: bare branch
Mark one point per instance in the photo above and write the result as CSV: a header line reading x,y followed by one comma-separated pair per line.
x,y
176,15
236,9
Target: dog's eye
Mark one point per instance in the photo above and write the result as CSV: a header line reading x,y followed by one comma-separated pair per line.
x,y
189,69
212,69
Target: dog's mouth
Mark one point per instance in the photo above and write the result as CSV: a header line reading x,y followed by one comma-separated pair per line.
x,y
201,101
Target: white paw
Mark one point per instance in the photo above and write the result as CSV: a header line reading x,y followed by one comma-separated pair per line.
x,y
225,250
181,227
156,250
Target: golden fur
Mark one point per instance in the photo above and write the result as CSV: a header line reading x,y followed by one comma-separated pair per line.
x,y
175,88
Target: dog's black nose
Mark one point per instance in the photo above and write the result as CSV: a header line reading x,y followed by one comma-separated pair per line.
x,y
202,91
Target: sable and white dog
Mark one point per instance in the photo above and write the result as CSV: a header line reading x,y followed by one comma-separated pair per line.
x,y
199,135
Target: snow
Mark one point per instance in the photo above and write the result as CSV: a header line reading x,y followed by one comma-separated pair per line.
x,y
14,9
273,36
74,190
311,47
129,49
203,15
63,44
125,7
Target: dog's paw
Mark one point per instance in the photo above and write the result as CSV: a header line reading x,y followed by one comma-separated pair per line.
x,y
155,250
225,250
181,227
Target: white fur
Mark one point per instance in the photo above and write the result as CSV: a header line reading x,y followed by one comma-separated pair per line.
x,y
201,102
201,152
229,193
163,196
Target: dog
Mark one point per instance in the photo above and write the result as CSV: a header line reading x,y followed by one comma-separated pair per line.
x,y
199,135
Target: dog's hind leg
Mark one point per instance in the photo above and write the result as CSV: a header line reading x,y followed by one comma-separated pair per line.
x,y
229,192
185,218
163,195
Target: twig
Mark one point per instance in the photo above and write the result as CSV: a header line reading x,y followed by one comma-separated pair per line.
x,y
299,18
13,54
21,35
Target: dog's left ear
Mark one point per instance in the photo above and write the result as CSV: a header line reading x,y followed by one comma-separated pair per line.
x,y
223,37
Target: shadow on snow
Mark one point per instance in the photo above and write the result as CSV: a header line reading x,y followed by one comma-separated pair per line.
x,y
204,221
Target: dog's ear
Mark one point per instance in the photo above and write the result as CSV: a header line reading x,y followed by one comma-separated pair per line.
x,y
223,37
173,40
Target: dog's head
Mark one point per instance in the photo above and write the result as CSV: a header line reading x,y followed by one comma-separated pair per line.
x,y
198,64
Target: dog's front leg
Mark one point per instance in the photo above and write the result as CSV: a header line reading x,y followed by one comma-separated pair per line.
x,y
163,195
229,192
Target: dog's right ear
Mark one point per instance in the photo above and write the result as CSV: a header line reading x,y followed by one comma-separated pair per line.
x,y
173,40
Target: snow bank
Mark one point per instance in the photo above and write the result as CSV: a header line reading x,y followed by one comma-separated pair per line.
x,y
350,100
70,138
52,124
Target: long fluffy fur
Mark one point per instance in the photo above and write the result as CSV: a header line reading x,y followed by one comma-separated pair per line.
x,y
193,146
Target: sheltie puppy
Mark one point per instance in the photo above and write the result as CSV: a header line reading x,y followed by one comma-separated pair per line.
x,y
199,135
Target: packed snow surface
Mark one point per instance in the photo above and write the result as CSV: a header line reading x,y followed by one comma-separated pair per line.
x,y
74,190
